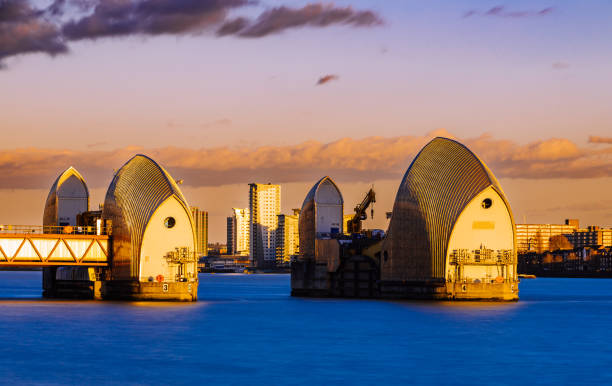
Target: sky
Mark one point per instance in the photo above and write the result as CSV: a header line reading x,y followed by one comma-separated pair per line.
x,y
227,92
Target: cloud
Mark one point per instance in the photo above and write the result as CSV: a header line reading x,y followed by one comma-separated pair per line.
x,y
502,11
594,139
24,29
327,79
279,19
150,17
347,159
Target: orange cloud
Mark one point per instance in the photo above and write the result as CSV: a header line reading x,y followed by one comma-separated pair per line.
x,y
347,159
593,139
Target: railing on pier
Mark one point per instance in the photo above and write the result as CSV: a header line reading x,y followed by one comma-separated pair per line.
x,y
481,257
56,230
24,245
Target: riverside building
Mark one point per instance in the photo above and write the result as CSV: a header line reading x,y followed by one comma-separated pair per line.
x,y
200,220
287,237
536,237
238,232
593,237
264,208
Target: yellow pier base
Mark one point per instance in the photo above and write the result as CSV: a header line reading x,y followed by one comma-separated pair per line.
x,y
134,290
507,291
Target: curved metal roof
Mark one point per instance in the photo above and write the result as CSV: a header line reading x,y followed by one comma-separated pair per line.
x,y
50,212
136,191
313,191
307,220
443,178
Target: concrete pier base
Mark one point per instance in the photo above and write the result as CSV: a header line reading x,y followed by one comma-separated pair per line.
x,y
358,277
134,290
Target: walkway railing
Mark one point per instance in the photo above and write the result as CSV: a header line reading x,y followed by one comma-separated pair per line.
x,y
56,230
481,257
24,245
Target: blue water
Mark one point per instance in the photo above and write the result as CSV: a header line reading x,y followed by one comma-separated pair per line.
x,y
246,329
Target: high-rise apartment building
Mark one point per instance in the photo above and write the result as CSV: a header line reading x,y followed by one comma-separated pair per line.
x,y
264,206
536,237
231,235
200,219
287,237
238,232
593,236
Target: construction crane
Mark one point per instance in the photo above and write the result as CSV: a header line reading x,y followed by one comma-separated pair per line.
x,y
354,224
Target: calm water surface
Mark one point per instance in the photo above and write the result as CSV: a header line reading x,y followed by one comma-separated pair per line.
x,y
246,329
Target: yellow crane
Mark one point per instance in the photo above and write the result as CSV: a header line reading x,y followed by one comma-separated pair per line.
x,y
354,224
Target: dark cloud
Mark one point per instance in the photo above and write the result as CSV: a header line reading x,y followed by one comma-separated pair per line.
x,y
502,11
345,159
327,79
150,17
279,19
24,29
606,140
232,27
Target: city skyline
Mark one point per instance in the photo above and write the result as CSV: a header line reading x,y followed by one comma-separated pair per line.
x,y
525,84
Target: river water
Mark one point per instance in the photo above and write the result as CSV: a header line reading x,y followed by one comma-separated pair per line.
x,y
246,329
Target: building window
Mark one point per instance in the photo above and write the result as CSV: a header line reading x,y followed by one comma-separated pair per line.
x,y
486,203
169,222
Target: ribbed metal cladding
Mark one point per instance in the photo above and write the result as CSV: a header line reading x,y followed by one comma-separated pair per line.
x,y
137,190
443,178
50,211
307,220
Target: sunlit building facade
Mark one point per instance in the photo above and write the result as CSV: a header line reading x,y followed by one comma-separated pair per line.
x,y
345,219
154,237
238,232
68,197
264,208
536,237
321,216
287,237
452,233
593,236
200,220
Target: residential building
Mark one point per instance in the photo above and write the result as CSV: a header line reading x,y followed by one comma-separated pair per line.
x,y
238,232
536,237
593,236
200,221
287,237
264,207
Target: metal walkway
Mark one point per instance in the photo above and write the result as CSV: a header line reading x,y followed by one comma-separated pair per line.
x,y
36,246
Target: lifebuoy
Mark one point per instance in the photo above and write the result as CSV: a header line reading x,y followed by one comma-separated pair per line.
x,y
159,278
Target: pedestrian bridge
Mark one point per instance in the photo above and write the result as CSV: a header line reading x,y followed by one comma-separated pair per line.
x,y
37,246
